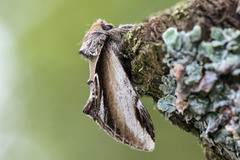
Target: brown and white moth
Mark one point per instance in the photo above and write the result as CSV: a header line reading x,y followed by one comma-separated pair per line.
x,y
113,103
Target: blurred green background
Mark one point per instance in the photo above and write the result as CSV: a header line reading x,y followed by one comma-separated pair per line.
x,y
43,84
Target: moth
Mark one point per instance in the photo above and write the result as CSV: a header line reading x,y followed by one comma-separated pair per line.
x,y
238,7
113,102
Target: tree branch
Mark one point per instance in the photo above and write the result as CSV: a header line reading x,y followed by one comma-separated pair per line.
x,y
187,91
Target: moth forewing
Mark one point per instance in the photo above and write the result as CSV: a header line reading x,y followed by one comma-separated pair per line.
x,y
113,103
92,104
128,113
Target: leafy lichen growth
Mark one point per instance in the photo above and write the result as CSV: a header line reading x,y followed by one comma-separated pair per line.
x,y
204,83
168,86
167,104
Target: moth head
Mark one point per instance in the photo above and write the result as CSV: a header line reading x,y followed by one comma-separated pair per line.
x,y
94,40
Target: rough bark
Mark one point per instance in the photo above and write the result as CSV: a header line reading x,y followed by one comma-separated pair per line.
x,y
143,46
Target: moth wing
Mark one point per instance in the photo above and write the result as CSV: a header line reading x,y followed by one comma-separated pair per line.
x,y
93,102
116,107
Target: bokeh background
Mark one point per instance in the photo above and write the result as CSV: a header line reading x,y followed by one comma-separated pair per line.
x,y
43,84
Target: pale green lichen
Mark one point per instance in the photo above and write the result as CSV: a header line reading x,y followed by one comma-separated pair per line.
x,y
213,101
170,36
195,34
205,49
194,71
216,33
198,104
167,105
168,86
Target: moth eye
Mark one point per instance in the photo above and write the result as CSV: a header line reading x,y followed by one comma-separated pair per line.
x,y
107,27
